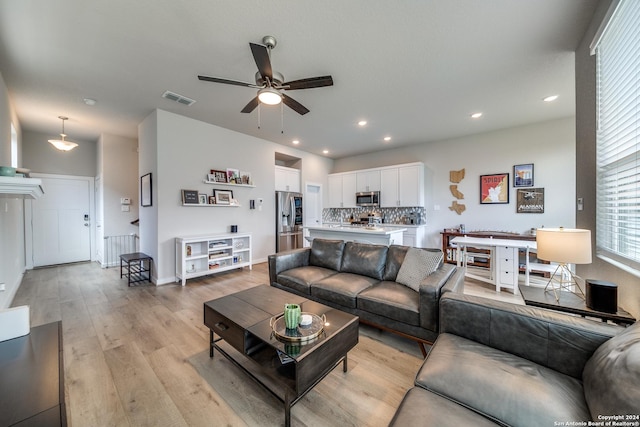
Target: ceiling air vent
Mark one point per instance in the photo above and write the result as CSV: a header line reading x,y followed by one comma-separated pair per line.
x,y
172,96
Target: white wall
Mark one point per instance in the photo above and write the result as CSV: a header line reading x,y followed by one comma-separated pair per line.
x,y
119,179
42,157
12,256
186,150
148,163
550,146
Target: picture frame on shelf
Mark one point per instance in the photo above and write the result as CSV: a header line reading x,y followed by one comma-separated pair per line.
x,y
245,178
212,200
202,199
494,188
530,200
233,176
145,190
523,175
223,197
217,176
190,197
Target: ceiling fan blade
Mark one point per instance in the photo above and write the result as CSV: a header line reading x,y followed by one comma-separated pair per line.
x,y
294,105
309,83
261,56
251,105
225,81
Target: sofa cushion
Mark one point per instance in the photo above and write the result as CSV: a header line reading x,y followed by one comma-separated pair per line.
x,y
342,288
418,264
420,407
395,256
301,278
365,259
326,253
501,385
612,375
391,300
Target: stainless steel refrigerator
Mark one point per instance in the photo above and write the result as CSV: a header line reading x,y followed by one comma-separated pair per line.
x,y
288,221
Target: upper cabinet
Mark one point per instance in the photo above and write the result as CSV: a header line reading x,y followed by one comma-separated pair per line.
x,y
287,179
342,190
399,186
368,180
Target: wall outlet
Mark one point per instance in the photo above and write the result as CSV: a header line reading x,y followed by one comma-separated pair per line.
x,y
124,208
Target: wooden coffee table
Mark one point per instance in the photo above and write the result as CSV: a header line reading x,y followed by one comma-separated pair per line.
x,y
242,322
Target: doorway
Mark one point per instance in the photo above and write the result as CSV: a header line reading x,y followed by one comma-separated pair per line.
x,y
312,208
59,225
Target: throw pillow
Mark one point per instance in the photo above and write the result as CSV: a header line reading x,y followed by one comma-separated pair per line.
x,y
418,264
612,374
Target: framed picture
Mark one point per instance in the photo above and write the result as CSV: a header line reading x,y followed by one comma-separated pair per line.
x,y
190,197
217,176
202,199
145,190
223,197
494,188
530,200
212,200
523,175
233,176
245,178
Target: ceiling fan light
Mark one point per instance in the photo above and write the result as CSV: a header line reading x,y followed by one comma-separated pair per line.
x,y
269,96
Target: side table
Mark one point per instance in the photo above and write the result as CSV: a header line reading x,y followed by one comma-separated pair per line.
x,y
136,266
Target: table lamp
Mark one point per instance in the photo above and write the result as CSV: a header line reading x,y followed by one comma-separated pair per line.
x,y
564,246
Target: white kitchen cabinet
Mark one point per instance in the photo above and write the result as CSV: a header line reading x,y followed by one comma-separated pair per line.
x,y
342,190
287,179
413,235
202,255
368,180
402,186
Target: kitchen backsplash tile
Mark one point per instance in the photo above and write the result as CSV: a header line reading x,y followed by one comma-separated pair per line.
x,y
389,215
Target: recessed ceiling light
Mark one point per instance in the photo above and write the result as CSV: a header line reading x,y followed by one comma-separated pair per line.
x,y
295,142
550,98
387,138
325,151
362,122
89,101
476,115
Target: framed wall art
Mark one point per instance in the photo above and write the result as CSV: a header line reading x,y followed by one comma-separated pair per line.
x,y
202,199
494,189
223,197
523,175
145,190
530,200
233,176
217,176
190,197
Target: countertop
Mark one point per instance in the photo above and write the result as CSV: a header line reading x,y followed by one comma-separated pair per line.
x,y
386,224
378,230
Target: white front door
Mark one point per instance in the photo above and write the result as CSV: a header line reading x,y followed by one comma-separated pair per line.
x,y
312,208
62,221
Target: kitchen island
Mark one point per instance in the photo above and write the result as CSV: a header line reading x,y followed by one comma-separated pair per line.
x,y
364,234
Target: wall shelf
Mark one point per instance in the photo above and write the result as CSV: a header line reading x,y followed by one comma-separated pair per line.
x,y
215,205
226,184
21,187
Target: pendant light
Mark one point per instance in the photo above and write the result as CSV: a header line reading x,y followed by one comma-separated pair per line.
x,y
62,144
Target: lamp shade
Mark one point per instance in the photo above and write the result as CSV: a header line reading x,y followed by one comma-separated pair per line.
x,y
564,245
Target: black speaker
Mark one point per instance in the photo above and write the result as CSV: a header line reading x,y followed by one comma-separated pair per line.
x,y
602,296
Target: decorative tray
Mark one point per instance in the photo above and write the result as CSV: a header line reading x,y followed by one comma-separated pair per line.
x,y
301,334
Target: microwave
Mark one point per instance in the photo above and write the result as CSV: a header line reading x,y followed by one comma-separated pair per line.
x,y
369,198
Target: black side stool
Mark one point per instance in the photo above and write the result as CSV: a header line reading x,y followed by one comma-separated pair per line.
x,y
136,266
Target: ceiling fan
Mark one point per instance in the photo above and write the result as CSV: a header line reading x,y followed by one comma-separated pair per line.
x,y
271,84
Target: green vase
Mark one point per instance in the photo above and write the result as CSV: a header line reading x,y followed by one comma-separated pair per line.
x,y
291,315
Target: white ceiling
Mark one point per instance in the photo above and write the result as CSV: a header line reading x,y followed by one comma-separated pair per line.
x,y
414,69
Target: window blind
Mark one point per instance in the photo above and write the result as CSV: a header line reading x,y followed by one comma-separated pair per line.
x,y
618,137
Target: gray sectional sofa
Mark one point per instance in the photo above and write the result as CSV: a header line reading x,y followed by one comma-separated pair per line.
x,y
360,278
505,364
